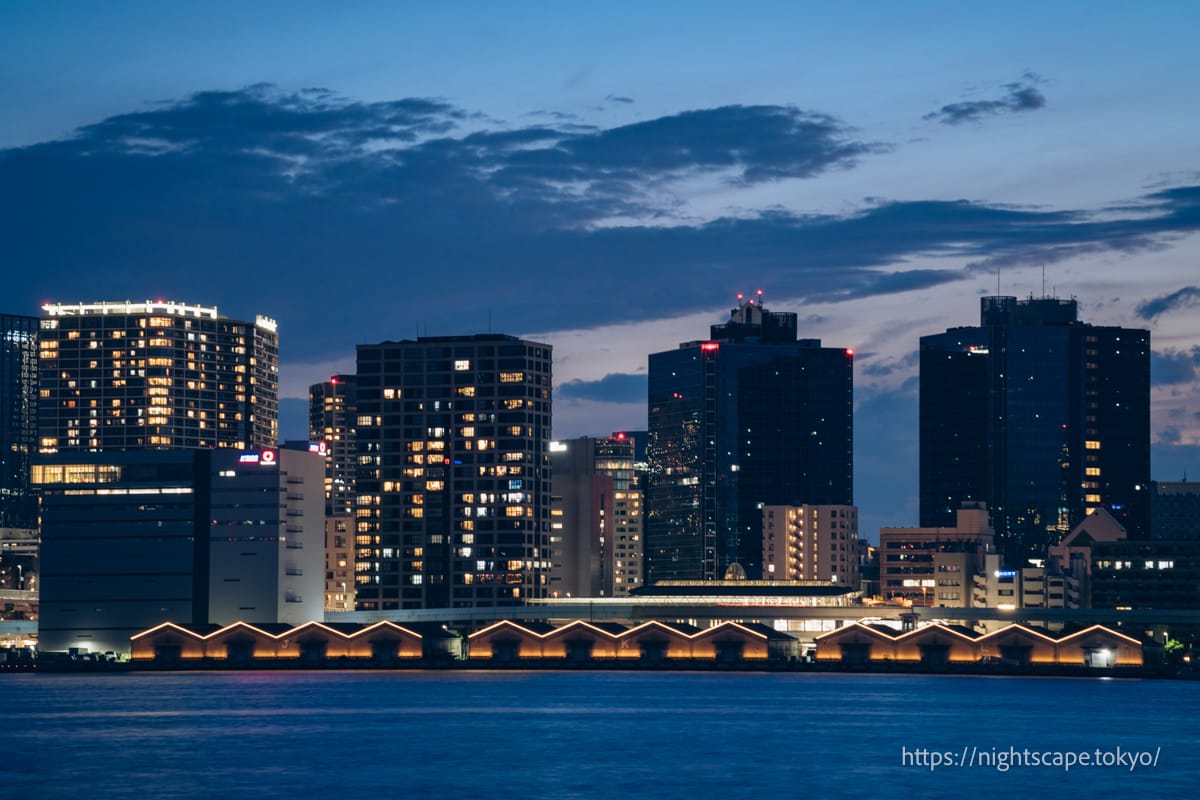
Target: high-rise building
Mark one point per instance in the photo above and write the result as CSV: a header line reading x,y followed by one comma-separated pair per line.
x,y
134,538
331,418
453,503
750,417
598,550
18,419
155,375
1041,416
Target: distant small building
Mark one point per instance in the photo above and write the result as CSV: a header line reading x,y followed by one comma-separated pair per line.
x,y
596,517
945,645
1175,510
339,563
935,566
811,542
1146,574
651,642
243,644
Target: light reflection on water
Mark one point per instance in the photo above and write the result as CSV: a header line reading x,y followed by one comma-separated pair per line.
x,y
573,734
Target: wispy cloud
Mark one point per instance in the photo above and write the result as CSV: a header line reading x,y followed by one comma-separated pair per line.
x,y
1020,96
612,388
1187,297
1174,367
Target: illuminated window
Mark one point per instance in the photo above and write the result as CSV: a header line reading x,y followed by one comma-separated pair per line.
x,y
512,377
1092,471
462,366
1091,444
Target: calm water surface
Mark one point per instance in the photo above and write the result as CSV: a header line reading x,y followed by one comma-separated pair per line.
x,y
579,735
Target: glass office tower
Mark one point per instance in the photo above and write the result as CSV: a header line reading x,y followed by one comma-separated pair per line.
x,y
1043,417
18,419
748,418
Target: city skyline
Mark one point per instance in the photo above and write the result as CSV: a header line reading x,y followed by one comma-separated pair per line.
x,y
605,181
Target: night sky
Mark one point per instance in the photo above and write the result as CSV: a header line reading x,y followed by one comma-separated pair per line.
x,y
607,179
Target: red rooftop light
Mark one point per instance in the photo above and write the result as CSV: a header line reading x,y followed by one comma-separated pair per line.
x,y
850,352
710,346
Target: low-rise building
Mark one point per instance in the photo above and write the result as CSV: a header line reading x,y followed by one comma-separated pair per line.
x,y
935,566
131,539
811,543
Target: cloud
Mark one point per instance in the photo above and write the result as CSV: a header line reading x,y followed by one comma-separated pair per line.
x,y
1168,435
1021,96
893,366
1173,367
616,387
1187,297
616,98
353,222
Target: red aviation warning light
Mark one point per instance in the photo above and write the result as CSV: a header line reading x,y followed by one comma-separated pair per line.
x,y
710,347
850,352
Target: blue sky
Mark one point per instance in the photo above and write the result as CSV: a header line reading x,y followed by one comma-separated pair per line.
x,y
607,177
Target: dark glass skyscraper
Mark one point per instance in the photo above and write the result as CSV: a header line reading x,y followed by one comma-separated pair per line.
x,y
18,419
748,418
1042,416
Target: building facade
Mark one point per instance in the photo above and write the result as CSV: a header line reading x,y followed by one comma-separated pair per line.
x,y
453,503
155,375
1041,416
1175,510
597,552
339,563
750,417
935,566
18,442
331,418
134,538
18,419
811,543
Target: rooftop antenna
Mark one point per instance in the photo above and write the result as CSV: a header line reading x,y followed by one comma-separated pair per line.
x,y
1043,281
997,280
760,298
